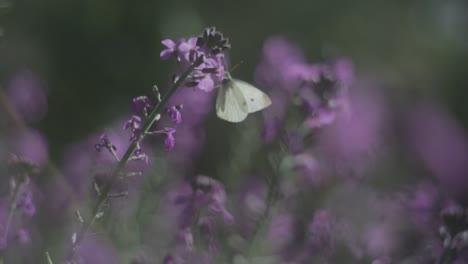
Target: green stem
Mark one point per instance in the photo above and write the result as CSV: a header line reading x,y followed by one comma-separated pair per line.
x,y
447,256
12,209
126,157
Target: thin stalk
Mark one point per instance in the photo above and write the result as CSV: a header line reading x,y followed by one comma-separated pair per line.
x,y
448,256
12,209
126,157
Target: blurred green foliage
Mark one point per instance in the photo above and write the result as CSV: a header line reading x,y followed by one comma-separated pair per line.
x,y
96,55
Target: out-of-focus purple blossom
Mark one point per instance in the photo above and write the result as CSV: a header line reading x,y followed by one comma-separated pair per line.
x,y
382,260
134,124
80,161
169,142
320,233
308,169
321,118
273,116
169,259
23,236
198,207
96,250
354,139
440,142
322,88
28,96
142,105
174,114
379,239
26,204
30,145
322,93
281,231
424,204
3,243
279,55
207,198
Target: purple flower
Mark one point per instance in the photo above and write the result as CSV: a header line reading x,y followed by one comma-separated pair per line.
x,y
30,145
169,142
174,114
309,170
206,53
134,124
211,73
207,198
104,143
278,56
321,232
25,203
23,236
441,143
3,243
170,49
356,135
142,105
169,259
281,230
181,50
94,249
28,96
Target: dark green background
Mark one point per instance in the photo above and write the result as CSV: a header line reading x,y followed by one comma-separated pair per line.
x,y
97,55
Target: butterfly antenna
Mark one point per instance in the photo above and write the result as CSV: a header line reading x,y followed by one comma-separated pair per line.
x,y
237,65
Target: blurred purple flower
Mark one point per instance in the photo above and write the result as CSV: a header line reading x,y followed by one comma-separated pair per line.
x,y
353,138
174,114
30,145
23,236
142,105
279,55
281,231
95,249
104,142
308,169
207,199
320,233
209,74
440,142
3,243
134,124
26,204
424,204
169,142
28,96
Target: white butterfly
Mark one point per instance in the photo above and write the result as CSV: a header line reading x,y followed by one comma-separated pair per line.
x,y
236,99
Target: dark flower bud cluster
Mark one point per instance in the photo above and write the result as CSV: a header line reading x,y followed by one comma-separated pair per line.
x,y
213,40
454,229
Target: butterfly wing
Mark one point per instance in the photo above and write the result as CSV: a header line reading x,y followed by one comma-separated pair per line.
x,y
256,99
230,103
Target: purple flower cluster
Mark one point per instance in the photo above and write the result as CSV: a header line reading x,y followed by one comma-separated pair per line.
x,y
200,205
206,52
321,89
